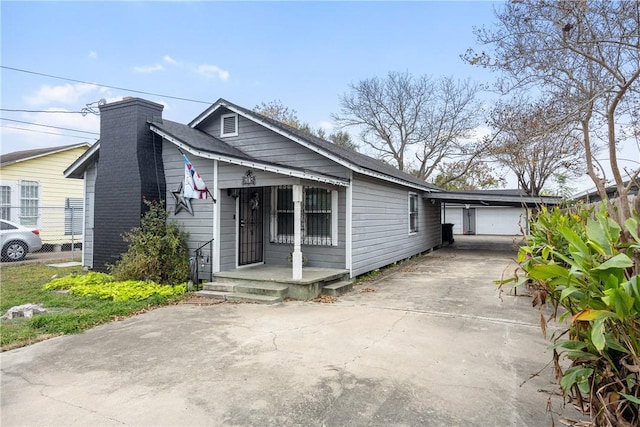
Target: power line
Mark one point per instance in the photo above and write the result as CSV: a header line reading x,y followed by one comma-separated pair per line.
x,y
49,126
42,131
40,111
103,85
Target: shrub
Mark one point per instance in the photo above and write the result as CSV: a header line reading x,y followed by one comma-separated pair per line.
x,y
578,261
157,250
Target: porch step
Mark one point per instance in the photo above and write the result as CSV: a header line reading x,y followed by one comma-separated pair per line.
x,y
267,289
239,296
338,288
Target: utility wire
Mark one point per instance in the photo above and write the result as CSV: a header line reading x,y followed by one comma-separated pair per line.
x,y
103,85
42,131
49,126
41,111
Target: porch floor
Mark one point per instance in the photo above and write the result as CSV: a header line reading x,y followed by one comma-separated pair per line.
x,y
282,274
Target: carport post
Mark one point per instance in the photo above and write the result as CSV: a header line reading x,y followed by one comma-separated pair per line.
x,y
297,232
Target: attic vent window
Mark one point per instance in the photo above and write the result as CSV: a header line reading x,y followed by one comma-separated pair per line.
x,y
229,125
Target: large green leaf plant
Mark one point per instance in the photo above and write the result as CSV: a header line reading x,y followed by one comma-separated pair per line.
x,y
579,263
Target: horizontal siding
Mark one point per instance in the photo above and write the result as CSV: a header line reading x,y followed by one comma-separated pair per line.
x,y
380,225
200,226
266,145
228,234
87,243
49,172
54,189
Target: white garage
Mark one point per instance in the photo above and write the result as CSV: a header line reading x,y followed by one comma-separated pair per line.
x,y
498,220
499,212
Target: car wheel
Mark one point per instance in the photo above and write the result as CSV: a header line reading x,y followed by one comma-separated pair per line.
x,y
14,251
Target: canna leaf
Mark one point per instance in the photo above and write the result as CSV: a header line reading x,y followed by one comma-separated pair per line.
x,y
618,261
597,238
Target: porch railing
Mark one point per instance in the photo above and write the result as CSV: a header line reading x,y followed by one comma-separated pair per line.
x,y
198,263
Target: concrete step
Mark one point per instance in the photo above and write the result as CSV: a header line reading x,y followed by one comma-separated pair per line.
x,y
269,289
240,296
338,288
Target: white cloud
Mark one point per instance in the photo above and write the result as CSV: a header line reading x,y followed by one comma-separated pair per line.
x,y
93,54
169,60
326,126
212,70
65,94
148,68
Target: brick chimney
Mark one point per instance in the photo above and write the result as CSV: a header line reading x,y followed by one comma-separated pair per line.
x,y
129,169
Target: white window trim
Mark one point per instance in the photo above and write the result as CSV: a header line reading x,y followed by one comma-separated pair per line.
x,y
224,116
306,240
38,206
417,212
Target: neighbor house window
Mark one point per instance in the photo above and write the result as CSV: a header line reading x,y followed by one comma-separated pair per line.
x,y
73,214
29,199
319,221
413,213
5,202
229,125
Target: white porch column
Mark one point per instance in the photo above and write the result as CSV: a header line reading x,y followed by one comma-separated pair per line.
x,y
297,232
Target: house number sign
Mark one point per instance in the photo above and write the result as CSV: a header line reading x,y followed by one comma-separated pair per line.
x,y
249,178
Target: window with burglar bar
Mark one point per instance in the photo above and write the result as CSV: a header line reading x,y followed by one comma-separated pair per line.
x,y
318,219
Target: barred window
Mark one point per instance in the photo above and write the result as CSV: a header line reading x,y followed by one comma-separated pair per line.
x,y
318,226
413,213
29,200
5,202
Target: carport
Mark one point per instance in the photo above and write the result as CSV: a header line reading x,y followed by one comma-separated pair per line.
x,y
496,212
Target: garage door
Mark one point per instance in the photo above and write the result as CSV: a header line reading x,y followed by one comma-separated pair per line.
x,y
500,220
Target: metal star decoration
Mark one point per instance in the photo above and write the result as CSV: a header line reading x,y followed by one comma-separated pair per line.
x,y
181,201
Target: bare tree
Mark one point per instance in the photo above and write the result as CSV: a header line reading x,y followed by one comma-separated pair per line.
x,y
478,177
414,123
276,110
586,53
534,143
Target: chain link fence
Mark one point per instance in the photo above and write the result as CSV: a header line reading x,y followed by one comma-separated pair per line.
x,y
60,229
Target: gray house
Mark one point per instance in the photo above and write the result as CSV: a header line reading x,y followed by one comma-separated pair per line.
x,y
276,196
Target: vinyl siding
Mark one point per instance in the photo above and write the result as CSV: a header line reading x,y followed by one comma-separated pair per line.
x,y
267,145
380,225
89,198
54,189
200,226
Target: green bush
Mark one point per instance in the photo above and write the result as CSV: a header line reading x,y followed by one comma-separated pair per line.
x,y
157,250
578,261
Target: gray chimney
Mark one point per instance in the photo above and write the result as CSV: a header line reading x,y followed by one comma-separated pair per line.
x,y
129,169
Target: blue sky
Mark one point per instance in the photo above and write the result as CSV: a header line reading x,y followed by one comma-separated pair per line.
x,y
304,54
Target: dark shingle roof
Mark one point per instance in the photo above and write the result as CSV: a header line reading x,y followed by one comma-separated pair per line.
x,y
350,156
16,156
198,139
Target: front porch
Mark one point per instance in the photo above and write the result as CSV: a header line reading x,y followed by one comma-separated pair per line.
x,y
273,283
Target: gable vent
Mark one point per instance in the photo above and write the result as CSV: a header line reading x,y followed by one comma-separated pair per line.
x,y
229,125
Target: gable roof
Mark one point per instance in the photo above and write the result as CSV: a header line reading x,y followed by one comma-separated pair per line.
x,y
204,145
351,159
21,156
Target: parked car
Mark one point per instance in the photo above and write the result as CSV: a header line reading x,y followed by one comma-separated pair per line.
x,y
17,241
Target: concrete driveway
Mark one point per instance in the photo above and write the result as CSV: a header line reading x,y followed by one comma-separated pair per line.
x,y
430,344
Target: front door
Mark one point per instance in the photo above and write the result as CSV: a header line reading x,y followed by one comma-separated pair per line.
x,y
250,226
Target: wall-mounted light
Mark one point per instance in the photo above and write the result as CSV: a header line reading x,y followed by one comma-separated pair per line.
x,y
233,192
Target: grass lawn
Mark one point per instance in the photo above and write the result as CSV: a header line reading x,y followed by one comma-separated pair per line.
x,y
67,313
